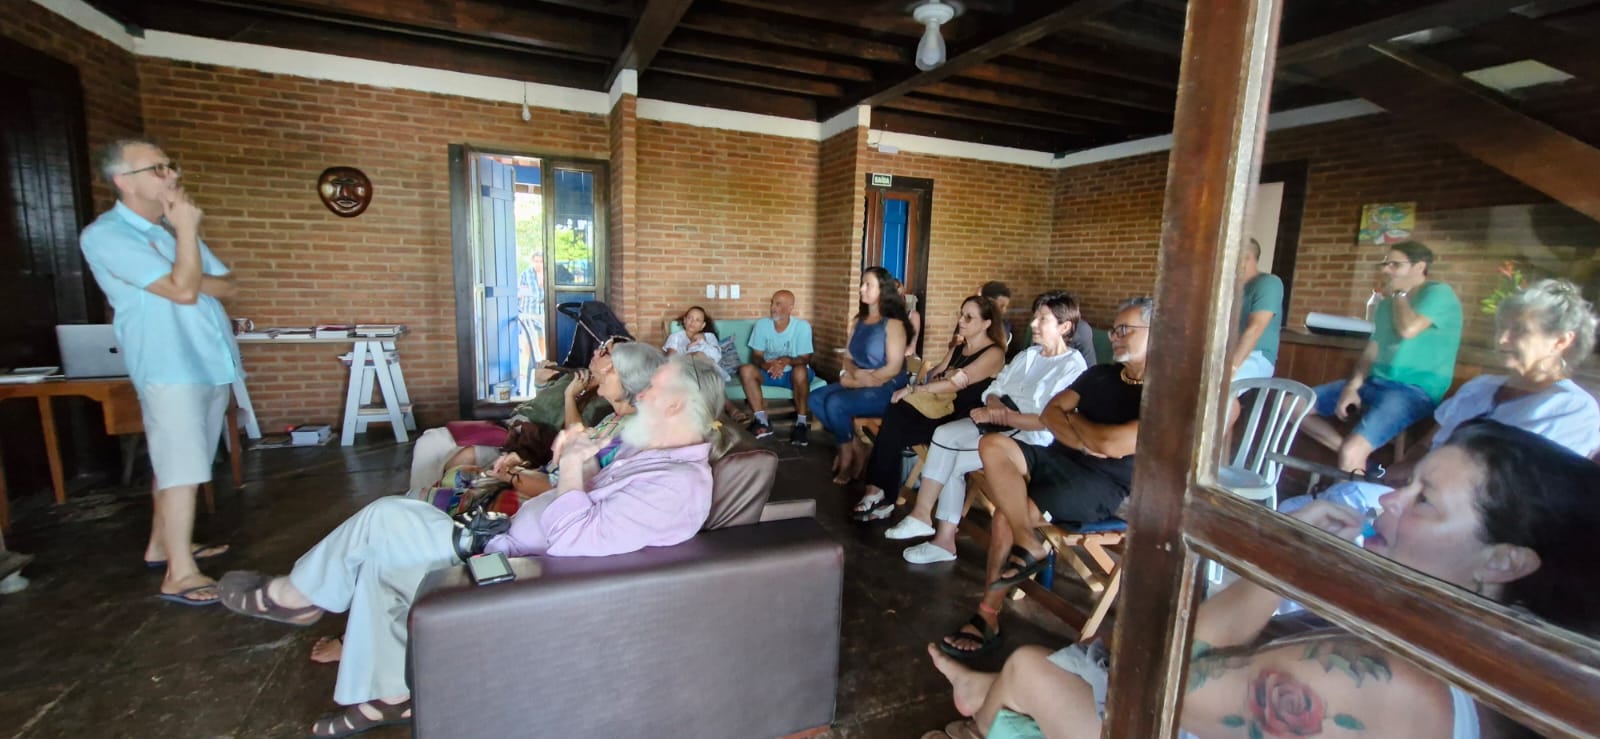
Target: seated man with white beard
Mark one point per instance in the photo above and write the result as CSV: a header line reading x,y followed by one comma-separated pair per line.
x,y
655,492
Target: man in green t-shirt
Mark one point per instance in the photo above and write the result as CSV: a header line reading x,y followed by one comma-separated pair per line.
x,y
1406,368
1255,351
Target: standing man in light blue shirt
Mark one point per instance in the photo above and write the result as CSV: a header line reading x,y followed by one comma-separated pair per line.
x,y
164,286
780,356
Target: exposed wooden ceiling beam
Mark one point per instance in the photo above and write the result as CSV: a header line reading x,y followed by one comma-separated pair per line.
x,y
655,24
761,30
993,114
1435,99
1081,110
1161,72
1146,98
692,67
233,24
1458,14
711,47
526,27
623,8
1025,33
896,121
1564,50
712,95
1136,38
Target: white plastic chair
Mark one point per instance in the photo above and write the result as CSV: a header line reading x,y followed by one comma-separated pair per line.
x,y
1273,422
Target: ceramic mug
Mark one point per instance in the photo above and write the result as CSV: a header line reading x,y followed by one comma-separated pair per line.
x,y
242,325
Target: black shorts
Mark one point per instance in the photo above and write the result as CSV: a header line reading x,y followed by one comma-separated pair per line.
x,y
1073,487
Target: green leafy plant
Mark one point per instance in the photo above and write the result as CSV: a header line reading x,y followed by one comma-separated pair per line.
x,y
1511,282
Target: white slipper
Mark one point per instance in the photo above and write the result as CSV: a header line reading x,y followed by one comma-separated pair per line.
x,y
908,528
927,553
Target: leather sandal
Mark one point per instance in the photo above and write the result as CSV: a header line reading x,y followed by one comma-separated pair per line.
x,y
352,721
245,593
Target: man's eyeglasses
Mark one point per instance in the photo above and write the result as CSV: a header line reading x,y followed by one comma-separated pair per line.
x,y
1392,264
162,169
1122,330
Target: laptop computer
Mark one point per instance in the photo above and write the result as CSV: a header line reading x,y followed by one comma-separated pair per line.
x,y
90,350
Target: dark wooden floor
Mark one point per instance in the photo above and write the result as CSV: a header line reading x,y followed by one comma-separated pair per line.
x,y
88,652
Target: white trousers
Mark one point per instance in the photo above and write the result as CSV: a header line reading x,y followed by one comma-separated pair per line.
x,y
371,566
428,456
953,453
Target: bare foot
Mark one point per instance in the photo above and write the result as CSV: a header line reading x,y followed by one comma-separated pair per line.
x,y
969,687
327,650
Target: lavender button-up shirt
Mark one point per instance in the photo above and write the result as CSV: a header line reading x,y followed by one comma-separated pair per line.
x,y
644,498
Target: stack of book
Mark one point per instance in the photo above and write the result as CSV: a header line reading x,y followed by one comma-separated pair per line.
x,y
334,331
374,330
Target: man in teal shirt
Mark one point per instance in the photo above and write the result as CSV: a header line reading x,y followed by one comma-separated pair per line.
x,y
164,285
780,356
1406,368
1255,352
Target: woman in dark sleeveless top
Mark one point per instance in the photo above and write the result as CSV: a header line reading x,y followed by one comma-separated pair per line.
x,y
873,369
966,371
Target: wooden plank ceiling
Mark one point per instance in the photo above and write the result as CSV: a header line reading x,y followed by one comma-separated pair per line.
x,y
1038,74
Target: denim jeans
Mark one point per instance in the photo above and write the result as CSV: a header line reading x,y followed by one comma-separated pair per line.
x,y
835,405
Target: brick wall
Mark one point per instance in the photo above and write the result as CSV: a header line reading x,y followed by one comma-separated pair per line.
x,y
841,191
623,225
109,75
990,222
252,145
721,207
1108,217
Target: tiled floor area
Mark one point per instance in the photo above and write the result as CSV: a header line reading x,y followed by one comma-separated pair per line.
x,y
88,652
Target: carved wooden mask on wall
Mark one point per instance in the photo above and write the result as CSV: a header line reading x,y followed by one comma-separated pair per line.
x,y
345,190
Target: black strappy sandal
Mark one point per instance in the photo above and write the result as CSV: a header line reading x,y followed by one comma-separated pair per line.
x,y
987,638
1025,566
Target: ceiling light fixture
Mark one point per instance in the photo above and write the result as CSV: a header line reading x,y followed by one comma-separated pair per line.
x,y
527,115
932,14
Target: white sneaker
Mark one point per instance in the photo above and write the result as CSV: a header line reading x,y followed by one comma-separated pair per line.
x,y
908,528
927,553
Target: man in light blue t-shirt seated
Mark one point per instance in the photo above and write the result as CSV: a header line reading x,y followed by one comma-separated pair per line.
x,y
780,356
1406,368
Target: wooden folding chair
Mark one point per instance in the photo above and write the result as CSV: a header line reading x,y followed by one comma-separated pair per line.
x,y
1093,551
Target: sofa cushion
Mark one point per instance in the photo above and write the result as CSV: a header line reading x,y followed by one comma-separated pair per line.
x,y
740,483
730,357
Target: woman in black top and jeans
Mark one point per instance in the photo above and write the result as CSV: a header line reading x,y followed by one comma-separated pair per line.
x,y
966,371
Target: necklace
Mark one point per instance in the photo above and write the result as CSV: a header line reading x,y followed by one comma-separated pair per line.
x,y
1130,380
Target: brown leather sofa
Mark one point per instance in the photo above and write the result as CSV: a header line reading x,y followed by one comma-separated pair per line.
x,y
734,633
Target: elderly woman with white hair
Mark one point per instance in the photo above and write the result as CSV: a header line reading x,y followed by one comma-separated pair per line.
x,y
1541,334
655,492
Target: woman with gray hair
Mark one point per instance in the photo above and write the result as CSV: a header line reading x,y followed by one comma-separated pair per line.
x,y
655,492
1541,334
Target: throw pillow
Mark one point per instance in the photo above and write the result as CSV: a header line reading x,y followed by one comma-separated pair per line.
x,y
729,364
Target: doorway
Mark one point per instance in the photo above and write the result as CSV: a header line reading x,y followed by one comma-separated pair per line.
x,y
897,214
529,235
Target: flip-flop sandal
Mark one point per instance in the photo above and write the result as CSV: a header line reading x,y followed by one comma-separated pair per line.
x,y
987,638
352,721
198,551
182,596
245,593
883,511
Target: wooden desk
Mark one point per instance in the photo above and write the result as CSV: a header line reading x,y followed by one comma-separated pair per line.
x,y
119,407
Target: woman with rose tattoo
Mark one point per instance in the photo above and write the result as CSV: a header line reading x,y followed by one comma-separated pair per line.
x,y
1497,510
